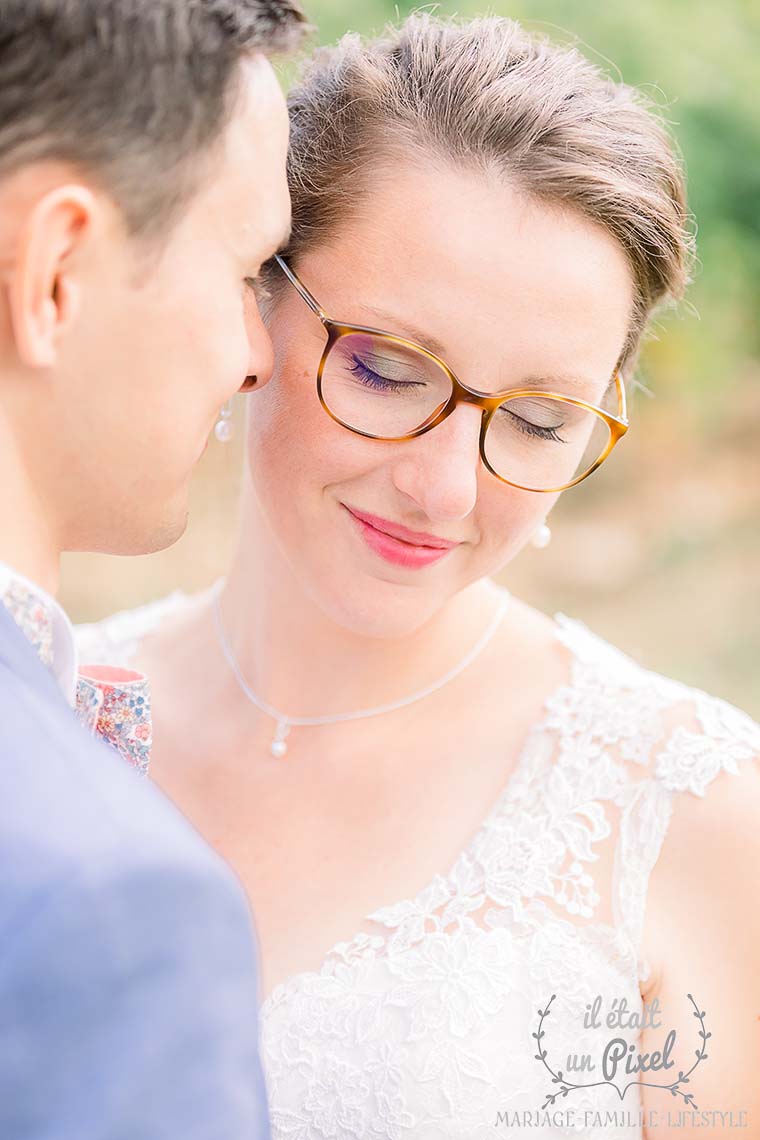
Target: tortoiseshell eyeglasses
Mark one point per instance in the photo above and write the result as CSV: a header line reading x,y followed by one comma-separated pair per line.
x,y
386,387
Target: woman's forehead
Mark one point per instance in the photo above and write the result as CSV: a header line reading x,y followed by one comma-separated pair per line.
x,y
475,272
475,243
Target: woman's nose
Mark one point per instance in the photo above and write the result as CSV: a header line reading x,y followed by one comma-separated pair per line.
x,y
439,470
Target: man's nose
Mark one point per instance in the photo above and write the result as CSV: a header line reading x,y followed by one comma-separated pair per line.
x,y
439,470
260,365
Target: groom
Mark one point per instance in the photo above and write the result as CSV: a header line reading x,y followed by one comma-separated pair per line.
x,y
142,184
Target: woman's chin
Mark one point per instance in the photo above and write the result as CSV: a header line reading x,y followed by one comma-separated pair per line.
x,y
371,607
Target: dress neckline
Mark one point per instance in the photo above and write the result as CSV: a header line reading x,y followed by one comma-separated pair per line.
x,y
564,630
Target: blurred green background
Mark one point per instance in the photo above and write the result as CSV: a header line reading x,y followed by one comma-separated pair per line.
x,y
659,551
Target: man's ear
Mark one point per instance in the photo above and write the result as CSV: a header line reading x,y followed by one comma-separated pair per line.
x,y
44,295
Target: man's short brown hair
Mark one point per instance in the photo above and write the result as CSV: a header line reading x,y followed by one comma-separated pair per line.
x,y
134,93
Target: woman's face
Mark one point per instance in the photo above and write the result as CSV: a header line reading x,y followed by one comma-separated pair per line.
x,y
510,293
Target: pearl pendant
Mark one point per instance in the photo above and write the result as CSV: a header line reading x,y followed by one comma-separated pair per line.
x,y
278,747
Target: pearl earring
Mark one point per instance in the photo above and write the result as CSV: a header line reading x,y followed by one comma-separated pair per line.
x,y
541,537
223,428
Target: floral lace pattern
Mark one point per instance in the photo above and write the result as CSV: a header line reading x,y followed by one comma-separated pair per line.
x,y
421,1024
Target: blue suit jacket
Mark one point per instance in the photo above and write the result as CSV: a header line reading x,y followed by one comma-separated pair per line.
x,y
128,990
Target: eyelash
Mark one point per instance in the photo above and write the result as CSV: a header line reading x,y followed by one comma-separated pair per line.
x,y
534,431
375,380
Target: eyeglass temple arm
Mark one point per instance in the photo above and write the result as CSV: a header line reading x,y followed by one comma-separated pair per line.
x,y
300,288
622,399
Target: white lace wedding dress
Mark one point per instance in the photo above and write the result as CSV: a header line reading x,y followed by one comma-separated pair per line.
x,y
423,1024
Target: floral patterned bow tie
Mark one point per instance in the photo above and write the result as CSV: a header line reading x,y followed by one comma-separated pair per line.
x,y
111,703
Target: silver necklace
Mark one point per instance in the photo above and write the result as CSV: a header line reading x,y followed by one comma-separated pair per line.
x,y
284,722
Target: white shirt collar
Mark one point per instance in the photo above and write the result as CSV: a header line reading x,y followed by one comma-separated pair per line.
x,y
45,624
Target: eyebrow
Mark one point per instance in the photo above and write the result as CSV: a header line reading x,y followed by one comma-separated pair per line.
x,y
556,382
560,382
410,331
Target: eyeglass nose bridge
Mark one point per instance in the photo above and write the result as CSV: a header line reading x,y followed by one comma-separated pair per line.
x,y
463,395
487,406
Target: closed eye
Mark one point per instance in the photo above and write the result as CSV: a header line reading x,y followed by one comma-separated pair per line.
x,y
535,431
374,380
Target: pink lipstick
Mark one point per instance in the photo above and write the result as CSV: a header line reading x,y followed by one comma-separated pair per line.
x,y
398,544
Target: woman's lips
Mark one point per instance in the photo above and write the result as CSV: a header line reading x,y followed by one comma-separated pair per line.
x,y
413,550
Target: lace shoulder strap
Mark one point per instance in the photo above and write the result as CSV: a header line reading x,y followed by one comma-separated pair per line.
x,y
667,738
703,738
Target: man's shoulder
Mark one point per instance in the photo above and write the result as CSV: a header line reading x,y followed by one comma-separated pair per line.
x,y
127,946
70,805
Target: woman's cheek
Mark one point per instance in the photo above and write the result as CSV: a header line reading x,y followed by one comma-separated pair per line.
x,y
508,519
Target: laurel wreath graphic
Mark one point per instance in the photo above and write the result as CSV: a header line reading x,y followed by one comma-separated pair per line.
x,y
568,1086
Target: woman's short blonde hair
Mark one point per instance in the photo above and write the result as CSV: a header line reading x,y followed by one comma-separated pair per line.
x,y
487,94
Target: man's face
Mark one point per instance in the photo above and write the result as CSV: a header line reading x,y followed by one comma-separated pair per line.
x,y
159,345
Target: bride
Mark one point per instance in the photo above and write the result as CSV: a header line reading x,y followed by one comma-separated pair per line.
x,y
469,832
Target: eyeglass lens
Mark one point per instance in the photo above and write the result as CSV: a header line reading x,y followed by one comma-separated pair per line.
x,y
384,389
